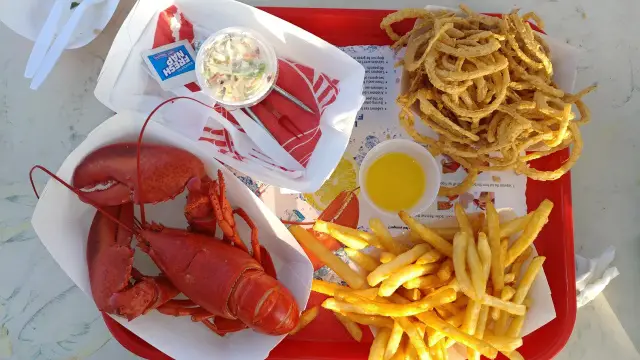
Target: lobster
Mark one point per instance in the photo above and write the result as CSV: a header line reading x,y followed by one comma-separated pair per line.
x,y
221,280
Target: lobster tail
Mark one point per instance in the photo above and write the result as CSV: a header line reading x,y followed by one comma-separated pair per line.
x,y
262,303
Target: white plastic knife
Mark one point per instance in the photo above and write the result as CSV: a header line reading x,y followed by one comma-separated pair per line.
x,y
61,43
44,39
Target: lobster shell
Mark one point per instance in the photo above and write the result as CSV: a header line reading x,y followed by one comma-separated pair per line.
x,y
222,279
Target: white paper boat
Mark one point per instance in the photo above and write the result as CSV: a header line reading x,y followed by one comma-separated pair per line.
x,y
125,85
62,224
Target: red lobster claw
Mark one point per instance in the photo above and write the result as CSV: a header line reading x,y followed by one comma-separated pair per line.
x,y
110,261
108,175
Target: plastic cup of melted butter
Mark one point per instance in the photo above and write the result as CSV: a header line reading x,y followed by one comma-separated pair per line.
x,y
236,67
399,175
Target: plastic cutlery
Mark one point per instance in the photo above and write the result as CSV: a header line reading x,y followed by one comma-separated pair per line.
x,y
60,43
47,33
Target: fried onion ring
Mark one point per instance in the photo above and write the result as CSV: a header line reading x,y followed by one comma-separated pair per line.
x,y
484,85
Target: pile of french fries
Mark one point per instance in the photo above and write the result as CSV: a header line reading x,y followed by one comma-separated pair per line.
x,y
444,286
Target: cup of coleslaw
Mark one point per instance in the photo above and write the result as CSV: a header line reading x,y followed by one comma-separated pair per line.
x,y
236,67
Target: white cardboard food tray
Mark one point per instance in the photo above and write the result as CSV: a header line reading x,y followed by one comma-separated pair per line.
x,y
124,84
62,223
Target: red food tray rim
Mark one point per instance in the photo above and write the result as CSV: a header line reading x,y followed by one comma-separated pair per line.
x,y
141,348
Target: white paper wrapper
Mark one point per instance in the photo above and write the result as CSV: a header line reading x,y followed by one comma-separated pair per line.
x,y
62,223
26,17
593,275
124,83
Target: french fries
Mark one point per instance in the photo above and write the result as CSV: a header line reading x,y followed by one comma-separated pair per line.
x,y
484,251
383,271
371,320
423,282
352,278
327,288
359,305
528,278
385,257
531,231
409,272
446,233
507,293
517,265
429,257
415,337
503,343
470,283
497,267
475,267
363,260
510,307
471,316
428,235
433,321
325,227
349,240
394,341
445,270
460,264
379,344
504,246
411,294
463,220
306,317
385,238
435,336
514,226
353,328
516,326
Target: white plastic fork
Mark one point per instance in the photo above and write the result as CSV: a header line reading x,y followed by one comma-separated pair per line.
x,y
61,43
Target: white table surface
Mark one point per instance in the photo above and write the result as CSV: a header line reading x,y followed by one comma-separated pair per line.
x,y
44,316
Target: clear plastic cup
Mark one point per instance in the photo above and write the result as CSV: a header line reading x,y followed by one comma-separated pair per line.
x,y
230,70
424,158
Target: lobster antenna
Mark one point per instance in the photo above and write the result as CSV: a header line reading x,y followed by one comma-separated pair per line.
x,y
75,191
144,127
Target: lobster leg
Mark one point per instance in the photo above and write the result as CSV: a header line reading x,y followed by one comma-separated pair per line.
x,y
222,211
176,309
255,244
155,291
222,326
198,210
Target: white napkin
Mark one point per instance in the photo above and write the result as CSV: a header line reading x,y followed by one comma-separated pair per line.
x,y
593,275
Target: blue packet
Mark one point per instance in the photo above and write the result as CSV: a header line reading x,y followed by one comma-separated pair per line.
x,y
172,65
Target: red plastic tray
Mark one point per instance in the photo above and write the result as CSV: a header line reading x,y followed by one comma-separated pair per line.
x,y
325,338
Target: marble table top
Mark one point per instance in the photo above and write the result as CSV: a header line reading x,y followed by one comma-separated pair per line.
x,y
44,316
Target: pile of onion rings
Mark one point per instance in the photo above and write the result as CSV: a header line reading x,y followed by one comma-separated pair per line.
x,y
485,86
